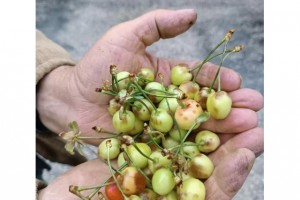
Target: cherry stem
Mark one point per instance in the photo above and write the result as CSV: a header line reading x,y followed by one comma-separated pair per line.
x,y
141,171
101,130
107,92
77,189
157,95
108,146
137,148
182,141
144,94
73,190
143,104
206,58
202,118
95,138
153,141
83,188
218,76
211,58
115,82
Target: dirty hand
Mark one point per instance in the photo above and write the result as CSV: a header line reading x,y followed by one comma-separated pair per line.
x,y
68,94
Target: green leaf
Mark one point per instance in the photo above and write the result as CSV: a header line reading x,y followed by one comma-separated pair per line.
x,y
70,147
203,117
68,136
74,127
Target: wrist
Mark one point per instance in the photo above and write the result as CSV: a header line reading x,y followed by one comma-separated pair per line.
x,y
53,98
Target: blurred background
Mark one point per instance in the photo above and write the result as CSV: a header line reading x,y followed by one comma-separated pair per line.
x,y
78,24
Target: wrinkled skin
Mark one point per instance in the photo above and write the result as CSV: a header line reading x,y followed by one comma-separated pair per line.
x,y
68,93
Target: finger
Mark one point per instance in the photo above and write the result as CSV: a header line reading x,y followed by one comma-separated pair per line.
x,y
247,98
230,79
238,120
252,139
89,173
229,176
150,27
157,24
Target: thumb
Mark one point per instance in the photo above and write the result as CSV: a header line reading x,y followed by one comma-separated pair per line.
x,y
157,24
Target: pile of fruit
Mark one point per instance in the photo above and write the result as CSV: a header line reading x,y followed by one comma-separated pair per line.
x,y
152,122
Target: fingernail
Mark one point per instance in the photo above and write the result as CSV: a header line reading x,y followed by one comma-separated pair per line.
x,y
187,10
190,16
241,81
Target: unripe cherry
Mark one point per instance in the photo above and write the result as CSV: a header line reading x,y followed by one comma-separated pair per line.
x,y
209,141
123,121
219,104
176,92
192,189
136,157
171,88
161,120
189,89
145,75
169,142
180,74
113,107
163,181
187,116
169,104
201,166
121,160
142,109
201,96
148,194
171,196
190,149
114,150
138,127
155,88
177,134
160,161
123,79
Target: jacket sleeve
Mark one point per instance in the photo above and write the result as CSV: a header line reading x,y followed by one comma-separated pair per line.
x,y
49,56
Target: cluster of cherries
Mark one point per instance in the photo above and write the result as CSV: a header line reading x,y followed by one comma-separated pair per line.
x,y
152,123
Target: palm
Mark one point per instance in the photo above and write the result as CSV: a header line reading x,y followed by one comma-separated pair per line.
x,y
129,59
127,50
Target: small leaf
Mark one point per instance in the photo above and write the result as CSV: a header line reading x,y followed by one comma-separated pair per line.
x,y
70,147
68,136
74,127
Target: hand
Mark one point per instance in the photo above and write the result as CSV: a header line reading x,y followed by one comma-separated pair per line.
x,y
67,94
233,161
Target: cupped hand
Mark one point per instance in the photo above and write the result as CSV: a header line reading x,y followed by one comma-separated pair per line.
x,y
68,94
233,161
